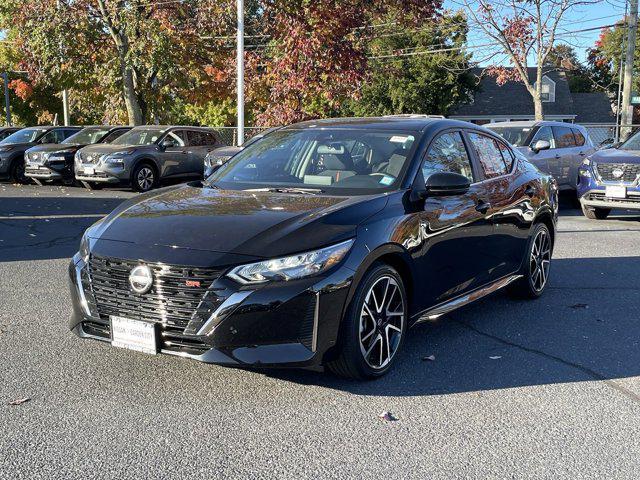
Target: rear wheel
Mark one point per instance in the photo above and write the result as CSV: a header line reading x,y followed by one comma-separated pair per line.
x,y
535,273
595,213
17,172
144,177
374,327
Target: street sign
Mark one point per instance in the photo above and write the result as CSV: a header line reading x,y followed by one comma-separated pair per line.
x,y
635,98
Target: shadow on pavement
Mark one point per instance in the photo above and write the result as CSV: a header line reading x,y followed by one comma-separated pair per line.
x,y
586,327
38,228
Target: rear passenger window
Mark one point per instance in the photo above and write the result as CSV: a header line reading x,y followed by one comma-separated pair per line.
x,y
507,155
489,154
447,153
579,137
201,139
564,137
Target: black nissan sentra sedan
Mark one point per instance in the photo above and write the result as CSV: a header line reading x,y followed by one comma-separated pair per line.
x,y
319,245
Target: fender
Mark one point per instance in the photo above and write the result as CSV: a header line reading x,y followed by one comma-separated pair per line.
x,y
145,159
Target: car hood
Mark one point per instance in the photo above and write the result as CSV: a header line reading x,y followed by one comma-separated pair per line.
x,y
615,155
103,148
17,145
225,151
257,224
54,147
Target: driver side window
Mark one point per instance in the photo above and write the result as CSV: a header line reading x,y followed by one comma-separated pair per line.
x,y
448,153
544,133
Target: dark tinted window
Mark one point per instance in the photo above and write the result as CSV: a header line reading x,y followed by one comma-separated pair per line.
x,y
447,153
53,136
489,155
113,135
198,138
564,137
180,136
579,137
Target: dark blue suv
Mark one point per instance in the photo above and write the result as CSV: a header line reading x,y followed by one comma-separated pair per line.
x,y
610,179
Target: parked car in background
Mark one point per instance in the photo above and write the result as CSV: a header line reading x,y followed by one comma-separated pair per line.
x,y
55,161
221,155
556,148
6,131
321,244
13,147
610,178
145,156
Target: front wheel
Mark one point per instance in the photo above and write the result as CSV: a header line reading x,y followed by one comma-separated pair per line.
x,y
595,213
374,327
144,178
537,262
17,172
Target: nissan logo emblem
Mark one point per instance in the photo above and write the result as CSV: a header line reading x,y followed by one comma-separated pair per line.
x,y
141,279
618,172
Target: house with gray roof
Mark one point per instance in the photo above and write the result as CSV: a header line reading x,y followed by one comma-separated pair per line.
x,y
512,102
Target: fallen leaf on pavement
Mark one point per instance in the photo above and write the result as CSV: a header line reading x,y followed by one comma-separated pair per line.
x,y
430,358
19,401
387,417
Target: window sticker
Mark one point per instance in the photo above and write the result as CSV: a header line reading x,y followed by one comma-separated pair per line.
x,y
400,138
386,180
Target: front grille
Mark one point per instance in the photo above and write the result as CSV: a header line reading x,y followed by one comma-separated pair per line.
x,y
630,172
603,197
89,157
37,158
170,302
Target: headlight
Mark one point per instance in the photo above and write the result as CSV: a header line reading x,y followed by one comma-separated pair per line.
x,y
84,248
293,267
77,158
586,162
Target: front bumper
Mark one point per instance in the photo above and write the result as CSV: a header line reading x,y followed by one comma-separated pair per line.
x,y
101,173
592,193
42,172
290,324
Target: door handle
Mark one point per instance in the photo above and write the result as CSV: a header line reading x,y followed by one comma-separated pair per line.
x,y
482,206
582,154
529,191
557,157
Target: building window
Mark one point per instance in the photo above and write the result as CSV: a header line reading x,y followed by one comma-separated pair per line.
x,y
548,90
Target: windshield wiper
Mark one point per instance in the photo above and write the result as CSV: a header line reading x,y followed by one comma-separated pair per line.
x,y
303,191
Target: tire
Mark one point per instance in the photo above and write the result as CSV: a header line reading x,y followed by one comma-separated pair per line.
x,y
17,172
595,213
144,177
366,328
536,265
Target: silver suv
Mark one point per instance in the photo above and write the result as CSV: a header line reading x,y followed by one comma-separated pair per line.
x,y
146,155
556,148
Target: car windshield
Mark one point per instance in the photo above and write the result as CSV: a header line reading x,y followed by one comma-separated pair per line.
x,y
516,136
26,135
143,136
342,161
86,136
633,143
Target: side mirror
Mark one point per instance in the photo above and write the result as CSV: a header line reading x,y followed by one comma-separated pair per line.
x,y
540,145
441,184
167,142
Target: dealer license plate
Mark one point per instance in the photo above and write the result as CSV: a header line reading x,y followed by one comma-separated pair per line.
x,y
133,334
615,191
89,170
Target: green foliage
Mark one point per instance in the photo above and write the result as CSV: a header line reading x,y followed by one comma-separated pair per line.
x,y
405,81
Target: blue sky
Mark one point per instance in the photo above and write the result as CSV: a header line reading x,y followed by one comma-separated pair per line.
x,y
604,12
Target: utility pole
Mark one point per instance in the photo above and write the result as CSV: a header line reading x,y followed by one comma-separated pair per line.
x,y
240,70
7,104
65,93
627,109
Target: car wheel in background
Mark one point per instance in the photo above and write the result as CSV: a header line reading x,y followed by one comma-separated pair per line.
x,y
144,178
595,213
17,172
374,327
536,265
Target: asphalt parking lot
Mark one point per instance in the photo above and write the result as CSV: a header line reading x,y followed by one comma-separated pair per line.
x,y
543,389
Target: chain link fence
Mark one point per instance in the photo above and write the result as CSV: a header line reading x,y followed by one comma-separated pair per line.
x,y
229,135
606,134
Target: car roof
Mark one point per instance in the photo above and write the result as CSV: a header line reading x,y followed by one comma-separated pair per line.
x,y
417,123
169,127
533,123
